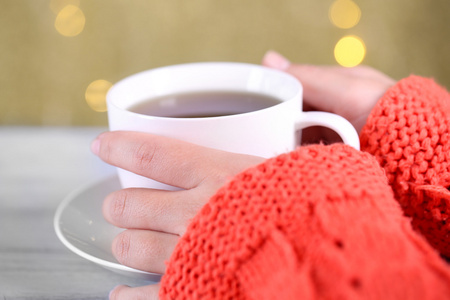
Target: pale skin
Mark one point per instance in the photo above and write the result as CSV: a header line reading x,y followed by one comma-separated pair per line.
x,y
156,219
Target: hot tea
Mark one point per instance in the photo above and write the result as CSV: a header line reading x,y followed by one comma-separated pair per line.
x,y
204,104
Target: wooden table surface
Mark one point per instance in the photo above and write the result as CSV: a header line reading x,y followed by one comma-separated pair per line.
x,y
39,166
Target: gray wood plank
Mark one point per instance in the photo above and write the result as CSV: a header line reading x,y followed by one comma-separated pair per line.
x,y
39,166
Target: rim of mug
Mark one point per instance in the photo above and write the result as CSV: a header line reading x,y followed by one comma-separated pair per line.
x,y
119,84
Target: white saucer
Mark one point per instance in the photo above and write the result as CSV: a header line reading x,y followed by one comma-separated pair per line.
x,y
80,226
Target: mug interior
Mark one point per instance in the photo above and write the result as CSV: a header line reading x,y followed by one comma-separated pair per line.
x,y
203,77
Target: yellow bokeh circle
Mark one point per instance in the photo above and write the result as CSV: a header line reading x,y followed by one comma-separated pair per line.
x,y
70,21
349,51
96,94
344,14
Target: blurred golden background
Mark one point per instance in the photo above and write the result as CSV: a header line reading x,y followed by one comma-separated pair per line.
x,y
59,57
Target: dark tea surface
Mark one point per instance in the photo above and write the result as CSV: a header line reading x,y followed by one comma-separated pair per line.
x,y
204,104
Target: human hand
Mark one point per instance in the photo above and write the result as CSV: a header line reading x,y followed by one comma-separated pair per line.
x,y
155,219
348,92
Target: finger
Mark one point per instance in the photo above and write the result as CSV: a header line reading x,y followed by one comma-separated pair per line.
x,y
143,249
168,160
123,292
157,210
319,135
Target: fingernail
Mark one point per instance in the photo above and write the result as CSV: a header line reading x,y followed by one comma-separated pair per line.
x,y
114,291
95,145
275,60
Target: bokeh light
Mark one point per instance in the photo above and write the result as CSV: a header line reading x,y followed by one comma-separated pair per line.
x,y
349,51
70,21
344,14
57,5
96,94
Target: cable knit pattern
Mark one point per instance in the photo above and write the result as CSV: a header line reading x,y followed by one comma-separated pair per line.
x,y
320,222
409,133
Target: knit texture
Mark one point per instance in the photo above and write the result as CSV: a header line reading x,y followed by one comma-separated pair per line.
x,y
320,222
409,133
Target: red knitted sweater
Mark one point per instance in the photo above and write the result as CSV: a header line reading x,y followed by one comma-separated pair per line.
x,y
324,222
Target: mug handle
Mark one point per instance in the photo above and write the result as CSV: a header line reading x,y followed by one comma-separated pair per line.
x,y
335,122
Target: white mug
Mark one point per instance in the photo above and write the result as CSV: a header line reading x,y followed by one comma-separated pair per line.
x,y
266,132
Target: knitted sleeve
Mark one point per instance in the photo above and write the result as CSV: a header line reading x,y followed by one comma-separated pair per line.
x,y
320,222
408,131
